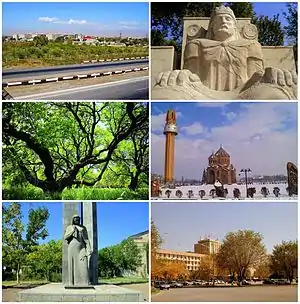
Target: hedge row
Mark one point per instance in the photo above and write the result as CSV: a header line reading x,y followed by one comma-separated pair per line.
x,y
33,193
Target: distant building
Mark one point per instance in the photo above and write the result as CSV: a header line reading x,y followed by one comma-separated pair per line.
x,y
192,260
220,169
207,246
142,241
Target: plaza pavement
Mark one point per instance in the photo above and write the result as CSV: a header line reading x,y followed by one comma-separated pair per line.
x,y
231,294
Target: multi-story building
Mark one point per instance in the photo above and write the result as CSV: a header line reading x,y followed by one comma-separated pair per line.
x,y
207,246
190,259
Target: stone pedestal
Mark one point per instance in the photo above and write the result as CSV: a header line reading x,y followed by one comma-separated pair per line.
x,y
56,292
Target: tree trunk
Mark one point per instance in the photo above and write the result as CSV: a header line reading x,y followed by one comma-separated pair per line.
x,y
134,182
18,272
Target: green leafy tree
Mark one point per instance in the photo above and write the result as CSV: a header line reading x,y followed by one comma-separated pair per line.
x,y
284,259
291,30
270,31
46,259
241,251
16,245
132,158
41,40
116,260
59,145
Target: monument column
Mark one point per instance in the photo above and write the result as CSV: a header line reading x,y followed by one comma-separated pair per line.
x,y
170,131
89,220
69,209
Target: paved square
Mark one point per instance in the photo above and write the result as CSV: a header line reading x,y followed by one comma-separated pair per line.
x,y
234,294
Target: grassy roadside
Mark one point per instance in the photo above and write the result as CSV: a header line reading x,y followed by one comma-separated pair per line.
x,y
25,55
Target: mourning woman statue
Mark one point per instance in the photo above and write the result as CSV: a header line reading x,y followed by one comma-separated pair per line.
x,y
79,250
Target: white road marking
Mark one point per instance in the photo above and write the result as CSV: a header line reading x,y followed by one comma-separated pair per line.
x,y
83,89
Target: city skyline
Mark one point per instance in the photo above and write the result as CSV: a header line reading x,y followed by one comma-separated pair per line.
x,y
115,221
254,134
98,19
182,224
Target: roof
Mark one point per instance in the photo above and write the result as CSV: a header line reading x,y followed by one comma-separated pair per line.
x,y
221,152
139,234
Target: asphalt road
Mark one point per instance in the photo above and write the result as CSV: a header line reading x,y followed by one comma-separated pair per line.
x,y
67,69
231,294
128,89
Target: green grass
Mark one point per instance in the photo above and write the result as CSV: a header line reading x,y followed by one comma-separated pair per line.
x,y
25,54
124,280
34,193
24,283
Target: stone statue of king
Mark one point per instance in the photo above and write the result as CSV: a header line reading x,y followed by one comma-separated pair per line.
x,y
225,65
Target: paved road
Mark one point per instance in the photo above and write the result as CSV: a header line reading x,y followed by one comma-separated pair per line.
x,y
142,287
21,74
128,89
234,294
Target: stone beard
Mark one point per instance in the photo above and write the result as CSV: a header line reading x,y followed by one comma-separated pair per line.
x,y
78,252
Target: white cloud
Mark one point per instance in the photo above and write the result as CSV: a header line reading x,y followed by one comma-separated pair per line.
x,y
194,129
129,23
48,19
158,121
58,21
257,138
211,104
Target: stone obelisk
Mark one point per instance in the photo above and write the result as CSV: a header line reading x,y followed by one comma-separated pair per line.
x,y
170,131
89,211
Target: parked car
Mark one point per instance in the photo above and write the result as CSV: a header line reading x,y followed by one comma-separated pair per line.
x,y
175,284
162,285
189,283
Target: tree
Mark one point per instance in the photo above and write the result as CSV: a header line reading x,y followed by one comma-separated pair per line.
x,y
132,158
291,30
263,271
203,181
270,31
241,251
117,259
41,40
59,145
284,259
15,245
46,258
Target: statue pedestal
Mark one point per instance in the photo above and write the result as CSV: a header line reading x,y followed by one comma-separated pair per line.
x,y
56,292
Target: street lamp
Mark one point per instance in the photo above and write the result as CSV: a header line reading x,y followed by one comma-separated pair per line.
x,y
246,171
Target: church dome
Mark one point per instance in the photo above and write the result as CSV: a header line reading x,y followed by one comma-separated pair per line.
x,y
222,152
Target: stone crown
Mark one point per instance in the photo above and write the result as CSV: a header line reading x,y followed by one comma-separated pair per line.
x,y
224,10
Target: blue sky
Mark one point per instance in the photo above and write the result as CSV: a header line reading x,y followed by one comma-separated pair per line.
x,y
94,18
182,224
260,136
116,221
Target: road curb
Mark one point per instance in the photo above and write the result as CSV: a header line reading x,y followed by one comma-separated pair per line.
x,y
74,77
115,59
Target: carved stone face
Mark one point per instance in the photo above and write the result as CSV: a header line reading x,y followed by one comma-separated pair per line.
x,y
76,220
224,27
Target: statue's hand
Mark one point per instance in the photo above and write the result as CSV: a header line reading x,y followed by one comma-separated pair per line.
x,y
280,77
176,78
